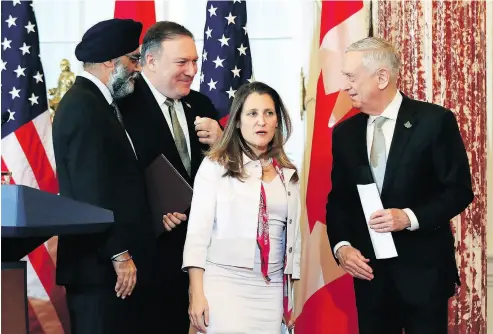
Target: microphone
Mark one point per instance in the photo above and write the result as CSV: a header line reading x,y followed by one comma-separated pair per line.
x,y
5,117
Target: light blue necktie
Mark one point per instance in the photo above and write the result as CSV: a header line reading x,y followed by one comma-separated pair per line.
x,y
378,159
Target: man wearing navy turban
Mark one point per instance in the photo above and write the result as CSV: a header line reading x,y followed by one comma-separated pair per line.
x,y
96,163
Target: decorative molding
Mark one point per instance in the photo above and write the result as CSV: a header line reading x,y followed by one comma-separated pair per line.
x,y
489,279
489,136
428,48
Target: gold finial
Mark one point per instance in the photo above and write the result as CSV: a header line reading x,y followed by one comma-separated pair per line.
x,y
65,81
302,94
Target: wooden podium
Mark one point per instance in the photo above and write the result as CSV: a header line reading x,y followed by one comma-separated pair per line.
x,y
14,299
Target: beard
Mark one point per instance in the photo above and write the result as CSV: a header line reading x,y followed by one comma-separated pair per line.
x,y
121,82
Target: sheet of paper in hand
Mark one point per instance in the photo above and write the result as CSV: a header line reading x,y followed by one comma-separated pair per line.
x,y
383,243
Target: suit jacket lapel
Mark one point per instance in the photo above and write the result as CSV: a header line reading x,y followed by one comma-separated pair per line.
x,y
166,142
154,109
195,154
363,173
404,127
109,112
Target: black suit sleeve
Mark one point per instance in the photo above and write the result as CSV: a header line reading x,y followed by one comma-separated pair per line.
x,y
337,201
87,165
451,168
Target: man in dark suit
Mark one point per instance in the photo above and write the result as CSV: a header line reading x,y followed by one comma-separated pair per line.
x,y
164,116
414,153
96,164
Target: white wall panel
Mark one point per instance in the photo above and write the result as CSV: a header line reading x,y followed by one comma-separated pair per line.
x,y
61,26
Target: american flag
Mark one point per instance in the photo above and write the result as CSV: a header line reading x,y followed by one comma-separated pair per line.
x,y
226,57
27,150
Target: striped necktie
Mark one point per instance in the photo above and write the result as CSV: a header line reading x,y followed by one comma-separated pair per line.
x,y
180,141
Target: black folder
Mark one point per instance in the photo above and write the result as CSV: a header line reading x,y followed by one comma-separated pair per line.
x,y
167,191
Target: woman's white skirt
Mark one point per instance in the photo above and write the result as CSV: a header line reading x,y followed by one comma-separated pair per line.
x,y
241,301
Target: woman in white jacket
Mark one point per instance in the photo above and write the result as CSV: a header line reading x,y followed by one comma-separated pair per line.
x,y
243,243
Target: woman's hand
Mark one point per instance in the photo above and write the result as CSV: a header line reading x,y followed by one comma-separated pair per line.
x,y
290,323
198,311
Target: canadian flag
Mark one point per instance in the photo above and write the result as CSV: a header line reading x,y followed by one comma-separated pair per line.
x,y
143,11
326,294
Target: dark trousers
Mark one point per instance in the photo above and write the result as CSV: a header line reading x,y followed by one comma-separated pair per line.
x,y
170,305
97,310
384,308
170,293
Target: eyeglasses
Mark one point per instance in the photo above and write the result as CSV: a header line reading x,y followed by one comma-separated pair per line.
x,y
134,58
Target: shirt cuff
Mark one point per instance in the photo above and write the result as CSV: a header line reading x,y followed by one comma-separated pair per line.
x,y
117,255
339,245
412,218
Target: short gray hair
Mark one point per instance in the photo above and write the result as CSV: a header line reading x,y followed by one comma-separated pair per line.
x,y
159,32
377,52
87,66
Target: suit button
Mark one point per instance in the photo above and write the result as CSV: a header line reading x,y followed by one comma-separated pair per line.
x,y
289,193
290,221
290,249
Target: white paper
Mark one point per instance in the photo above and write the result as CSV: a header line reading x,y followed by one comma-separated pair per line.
x,y
383,243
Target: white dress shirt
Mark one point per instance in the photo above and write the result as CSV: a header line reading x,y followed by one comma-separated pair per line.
x,y
388,132
180,112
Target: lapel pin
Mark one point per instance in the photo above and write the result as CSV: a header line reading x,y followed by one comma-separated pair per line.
x,y
408,125
188,105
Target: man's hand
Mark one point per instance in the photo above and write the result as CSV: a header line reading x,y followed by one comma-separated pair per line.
x,y
208,130
172,220
126,273
389,220
354,263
